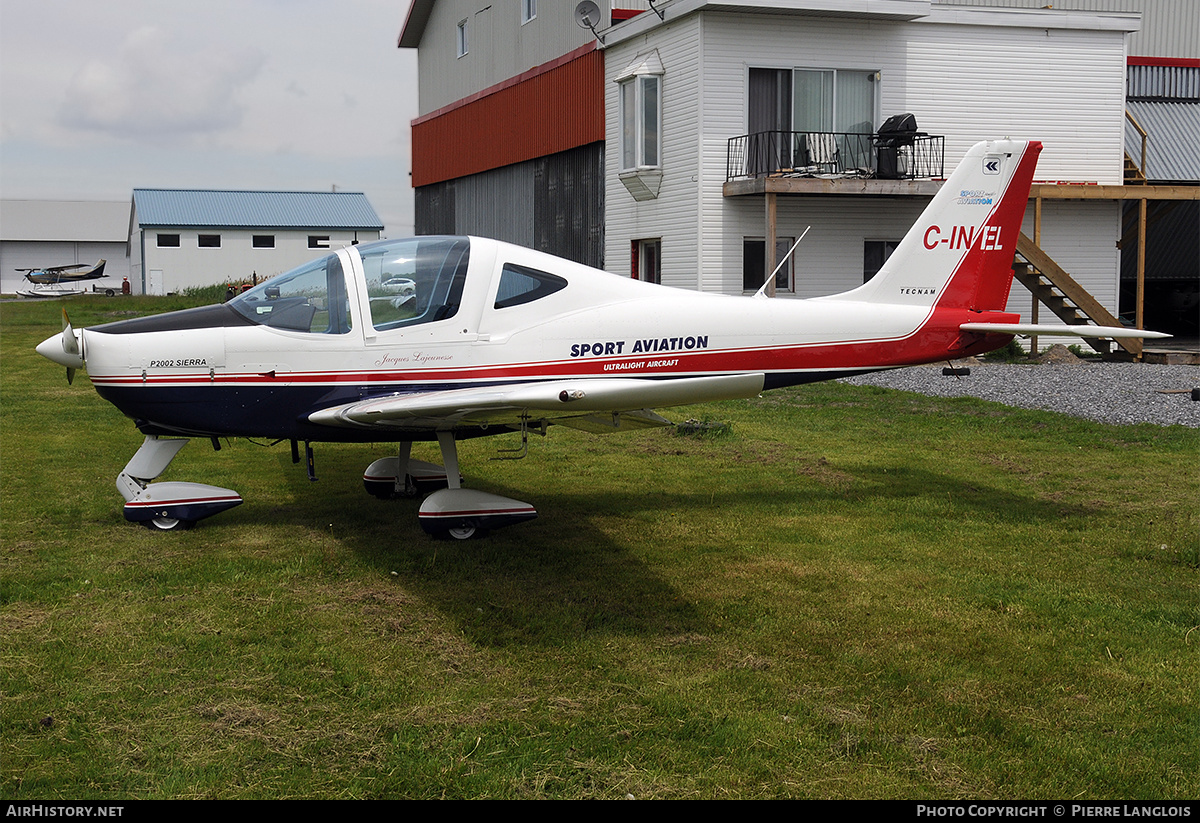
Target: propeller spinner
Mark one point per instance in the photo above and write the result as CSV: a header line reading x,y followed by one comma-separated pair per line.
x,y
64,348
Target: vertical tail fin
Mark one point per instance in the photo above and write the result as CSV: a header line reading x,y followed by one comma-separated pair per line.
x,y
959,253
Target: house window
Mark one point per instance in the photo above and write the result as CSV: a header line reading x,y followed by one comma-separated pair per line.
x,y
812,100
771,144
810,105
462,38
839,100
646,260
641,119
209,241
875,254
754,264
528,10
168,241
318,241
263,241
640,116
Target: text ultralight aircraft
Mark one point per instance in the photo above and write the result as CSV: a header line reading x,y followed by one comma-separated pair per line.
x,y
453,337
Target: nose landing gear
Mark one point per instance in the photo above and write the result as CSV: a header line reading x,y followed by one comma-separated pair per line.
x,y
172,506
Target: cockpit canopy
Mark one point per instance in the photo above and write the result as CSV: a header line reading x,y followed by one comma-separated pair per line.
x,y
408,282
311,298
413,281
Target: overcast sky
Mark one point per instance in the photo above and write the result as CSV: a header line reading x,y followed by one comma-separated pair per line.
x,y
98,97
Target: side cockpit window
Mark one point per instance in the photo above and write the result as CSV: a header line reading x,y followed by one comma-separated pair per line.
x,y
519,284
415,281
311,299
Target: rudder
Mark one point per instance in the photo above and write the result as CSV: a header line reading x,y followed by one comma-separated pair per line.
x,y
959,253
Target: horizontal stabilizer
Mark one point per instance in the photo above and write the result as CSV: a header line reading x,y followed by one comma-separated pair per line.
x,y
1027,329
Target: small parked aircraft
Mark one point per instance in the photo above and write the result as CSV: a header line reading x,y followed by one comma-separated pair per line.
x,y
59,274
59,281
446,338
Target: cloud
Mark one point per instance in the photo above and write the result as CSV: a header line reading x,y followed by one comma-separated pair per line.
x,y
158,90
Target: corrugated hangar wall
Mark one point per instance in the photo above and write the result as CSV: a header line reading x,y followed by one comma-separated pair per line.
x,y
1168,26
548,109
553,204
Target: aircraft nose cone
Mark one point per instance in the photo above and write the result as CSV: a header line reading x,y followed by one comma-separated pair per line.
x,y
55,348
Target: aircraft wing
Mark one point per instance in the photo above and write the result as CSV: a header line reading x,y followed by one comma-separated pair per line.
x,y
592,404
54,269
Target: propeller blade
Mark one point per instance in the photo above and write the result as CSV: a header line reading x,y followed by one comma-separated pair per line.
x,y
69,343
63,348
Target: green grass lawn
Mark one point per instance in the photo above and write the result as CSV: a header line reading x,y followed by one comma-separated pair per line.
x,y
853,593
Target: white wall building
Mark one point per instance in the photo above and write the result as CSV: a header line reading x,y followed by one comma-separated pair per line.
x,y
37,233
185,238
966,73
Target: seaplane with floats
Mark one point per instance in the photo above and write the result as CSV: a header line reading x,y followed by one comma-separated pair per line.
x,y
447,338
60,281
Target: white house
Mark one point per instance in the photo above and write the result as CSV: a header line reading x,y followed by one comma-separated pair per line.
x,y
184,238
966,73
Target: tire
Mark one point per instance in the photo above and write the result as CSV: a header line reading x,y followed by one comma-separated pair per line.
x,y
463,532
168,524
467,531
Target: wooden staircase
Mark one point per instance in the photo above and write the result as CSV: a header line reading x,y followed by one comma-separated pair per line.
x,y
1133,172
1063,295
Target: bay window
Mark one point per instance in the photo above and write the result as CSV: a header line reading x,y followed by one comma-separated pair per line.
x,y
640,116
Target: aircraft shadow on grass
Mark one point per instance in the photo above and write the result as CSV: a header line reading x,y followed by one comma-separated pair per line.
x,y
542,586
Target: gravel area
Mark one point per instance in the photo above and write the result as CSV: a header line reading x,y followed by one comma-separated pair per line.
x,y
1120,393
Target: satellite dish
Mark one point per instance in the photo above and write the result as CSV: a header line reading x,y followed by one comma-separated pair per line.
x,y
587,15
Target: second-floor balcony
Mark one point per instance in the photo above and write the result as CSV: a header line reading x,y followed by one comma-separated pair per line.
x,y
833,155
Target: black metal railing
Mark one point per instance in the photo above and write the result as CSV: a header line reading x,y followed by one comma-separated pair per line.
x,y
839,154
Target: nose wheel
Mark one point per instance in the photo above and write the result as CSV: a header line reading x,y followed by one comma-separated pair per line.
x,y
168,524
167,507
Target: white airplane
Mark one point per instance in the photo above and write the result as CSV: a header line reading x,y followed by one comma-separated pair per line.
x,y
446,338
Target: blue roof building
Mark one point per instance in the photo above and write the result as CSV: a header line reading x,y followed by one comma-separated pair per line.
x,y
184,238
194,208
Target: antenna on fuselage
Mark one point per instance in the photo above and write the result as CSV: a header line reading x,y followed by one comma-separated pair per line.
x,y
762,292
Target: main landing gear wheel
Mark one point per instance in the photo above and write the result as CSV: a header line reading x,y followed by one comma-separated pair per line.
x,y
462,514
465,532
168,524
388,490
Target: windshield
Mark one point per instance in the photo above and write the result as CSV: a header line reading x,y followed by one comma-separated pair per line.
x,y
414,281
311,298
